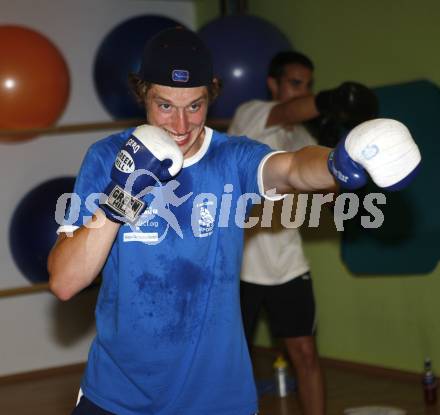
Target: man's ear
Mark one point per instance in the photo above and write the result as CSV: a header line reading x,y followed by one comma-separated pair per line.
x,y
272,84
215,89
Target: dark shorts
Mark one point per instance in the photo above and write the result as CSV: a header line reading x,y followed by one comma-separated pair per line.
x,y
290,307
86,407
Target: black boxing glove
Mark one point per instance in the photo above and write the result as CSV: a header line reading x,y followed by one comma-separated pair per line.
x,y
349,104
326,130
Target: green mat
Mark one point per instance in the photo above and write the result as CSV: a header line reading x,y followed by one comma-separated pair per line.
x,y
408,240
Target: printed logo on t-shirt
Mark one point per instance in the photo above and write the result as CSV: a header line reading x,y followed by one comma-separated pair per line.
x,y
158,217
150,228
203,218
141,237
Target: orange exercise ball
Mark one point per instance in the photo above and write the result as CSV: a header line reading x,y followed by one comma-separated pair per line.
x,y
34,80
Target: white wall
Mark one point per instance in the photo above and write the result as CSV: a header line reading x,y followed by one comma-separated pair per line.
x,y
36,330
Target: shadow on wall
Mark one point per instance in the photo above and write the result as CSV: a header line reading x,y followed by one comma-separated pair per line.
x,y
74,319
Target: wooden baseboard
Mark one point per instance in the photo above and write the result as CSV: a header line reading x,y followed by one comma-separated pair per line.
x,y
354,366
42,373
371,370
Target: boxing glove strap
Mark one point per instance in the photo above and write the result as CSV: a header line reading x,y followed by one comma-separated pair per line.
x,y
349,174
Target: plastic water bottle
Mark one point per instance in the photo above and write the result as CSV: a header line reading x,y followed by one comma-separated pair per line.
x,y
280,367
429,382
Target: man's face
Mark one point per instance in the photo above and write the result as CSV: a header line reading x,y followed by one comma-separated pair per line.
x,y
181,112
296,81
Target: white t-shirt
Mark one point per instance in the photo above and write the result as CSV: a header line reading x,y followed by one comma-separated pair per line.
x,y
272,255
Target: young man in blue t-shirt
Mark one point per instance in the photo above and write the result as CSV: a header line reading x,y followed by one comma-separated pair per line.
x,y
159,210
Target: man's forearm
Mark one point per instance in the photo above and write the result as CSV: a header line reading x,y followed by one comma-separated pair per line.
x,y
304,170
75,261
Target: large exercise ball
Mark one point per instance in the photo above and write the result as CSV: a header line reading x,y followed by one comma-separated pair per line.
x,y
242,47
34,80
32,231
120,54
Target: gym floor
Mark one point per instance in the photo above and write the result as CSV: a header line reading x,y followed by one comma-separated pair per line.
x,y
347,387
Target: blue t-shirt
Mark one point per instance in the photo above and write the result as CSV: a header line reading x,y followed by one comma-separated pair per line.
x,y
169,333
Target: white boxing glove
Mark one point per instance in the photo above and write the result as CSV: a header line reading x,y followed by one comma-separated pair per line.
x,y
149,154
386,150
161,145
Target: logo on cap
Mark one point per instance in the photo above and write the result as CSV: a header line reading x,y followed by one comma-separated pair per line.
x,y
180,75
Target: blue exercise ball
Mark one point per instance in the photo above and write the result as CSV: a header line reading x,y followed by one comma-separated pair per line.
x,y
118,55
242,47
32,231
